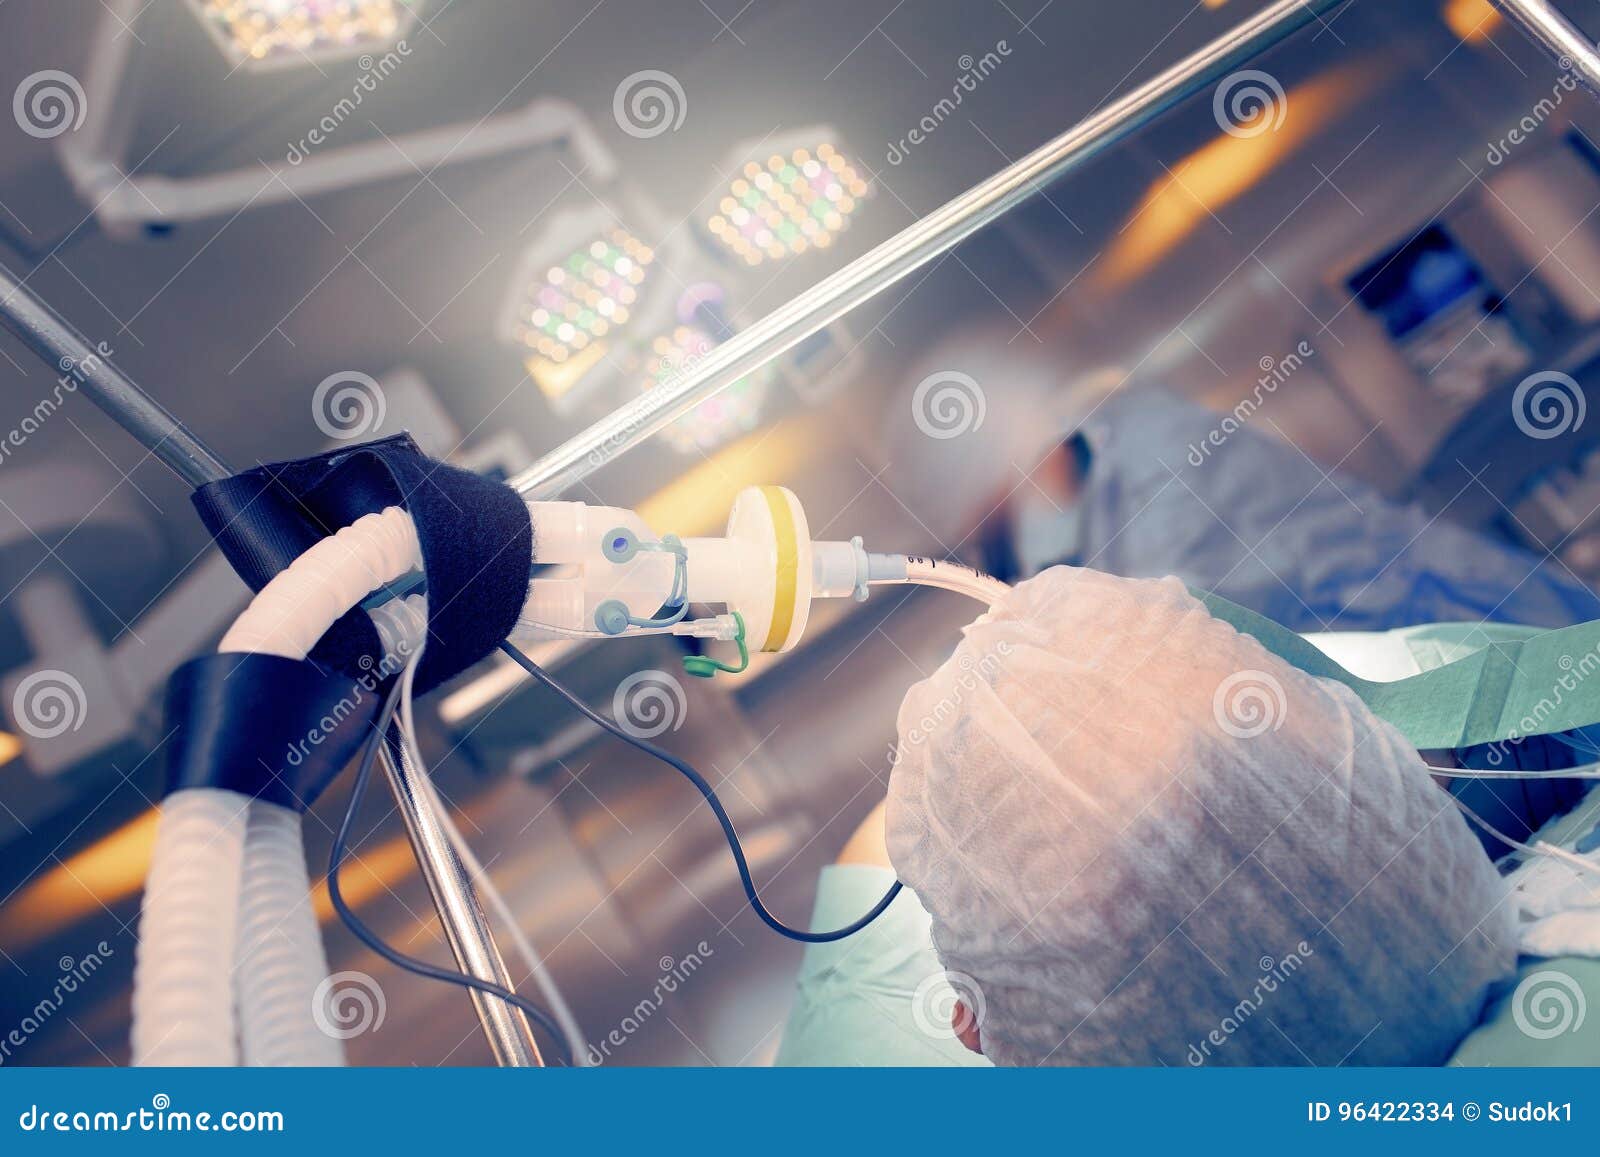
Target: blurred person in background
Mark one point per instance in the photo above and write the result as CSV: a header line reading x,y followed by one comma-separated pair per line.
x,y
1011,457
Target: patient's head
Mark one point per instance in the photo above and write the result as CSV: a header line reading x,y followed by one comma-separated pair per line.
x,y
1144,839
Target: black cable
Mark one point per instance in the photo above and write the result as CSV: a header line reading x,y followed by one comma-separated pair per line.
x,y
372,940
715,804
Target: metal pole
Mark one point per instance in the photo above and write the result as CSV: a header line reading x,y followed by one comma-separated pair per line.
x,y
940,231
89,367
461,913
466,927
1547,27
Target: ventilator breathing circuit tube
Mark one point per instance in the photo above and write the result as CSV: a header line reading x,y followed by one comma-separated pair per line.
x,y
228,891
228,885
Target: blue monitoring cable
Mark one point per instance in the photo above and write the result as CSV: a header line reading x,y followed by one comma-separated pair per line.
x,y
705,789
371,939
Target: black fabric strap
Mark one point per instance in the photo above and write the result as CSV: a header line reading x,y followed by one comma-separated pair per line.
x,y
477,542
268,727
280,730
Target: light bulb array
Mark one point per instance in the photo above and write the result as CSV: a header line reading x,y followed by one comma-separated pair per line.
x,y
721,417
583,298
799,200
263,31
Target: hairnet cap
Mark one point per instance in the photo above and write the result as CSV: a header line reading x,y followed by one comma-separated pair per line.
x,y
973,418
1143,839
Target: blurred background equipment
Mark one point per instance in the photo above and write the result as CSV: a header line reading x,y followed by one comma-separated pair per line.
x,y
68,532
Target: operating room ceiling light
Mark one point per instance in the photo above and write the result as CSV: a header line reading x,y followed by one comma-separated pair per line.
x,y
565,309
260,33
720,418
795,198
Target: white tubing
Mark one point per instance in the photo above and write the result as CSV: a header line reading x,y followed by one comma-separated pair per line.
x,y
281,962
183,982
557,1004
183,973
283,1018
297,607
402,629
950,576
560,1010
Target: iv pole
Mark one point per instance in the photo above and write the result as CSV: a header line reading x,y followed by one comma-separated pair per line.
x,y
58,344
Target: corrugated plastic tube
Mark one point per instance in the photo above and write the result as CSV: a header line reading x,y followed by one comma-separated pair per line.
x,y
202,913
284,1016
281,961
183,973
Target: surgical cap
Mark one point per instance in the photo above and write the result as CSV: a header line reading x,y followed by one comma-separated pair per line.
x,y
974,417
1143,839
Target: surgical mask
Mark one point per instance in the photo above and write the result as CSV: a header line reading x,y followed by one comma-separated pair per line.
x,y
1043,533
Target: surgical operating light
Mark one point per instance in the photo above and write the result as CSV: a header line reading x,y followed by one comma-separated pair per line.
x,y
787,198
571,293
262,34
717,420
130,200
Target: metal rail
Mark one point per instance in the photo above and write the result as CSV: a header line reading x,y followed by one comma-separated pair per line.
x,y
1547,27
913,247
90,368
466,928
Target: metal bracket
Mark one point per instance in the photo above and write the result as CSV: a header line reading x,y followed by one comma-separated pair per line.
x,y
129,204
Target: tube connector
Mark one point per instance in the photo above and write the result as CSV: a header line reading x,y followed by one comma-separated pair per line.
x,y
839,569
723,628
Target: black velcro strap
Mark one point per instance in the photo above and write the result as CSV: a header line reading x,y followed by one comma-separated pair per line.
x,y
265,726
477,542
